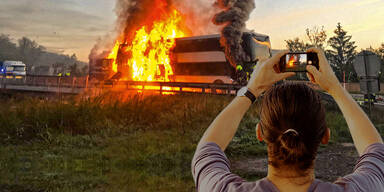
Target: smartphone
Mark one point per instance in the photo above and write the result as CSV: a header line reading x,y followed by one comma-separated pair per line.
x,y
297,62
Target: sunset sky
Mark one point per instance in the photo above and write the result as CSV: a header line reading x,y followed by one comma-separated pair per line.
x,y
73,26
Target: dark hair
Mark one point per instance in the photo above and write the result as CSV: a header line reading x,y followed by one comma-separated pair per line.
x,y
292,120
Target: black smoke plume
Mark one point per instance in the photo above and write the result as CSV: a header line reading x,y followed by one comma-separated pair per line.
x,y
234,16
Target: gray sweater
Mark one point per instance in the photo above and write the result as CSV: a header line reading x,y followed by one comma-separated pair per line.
x,y
211,172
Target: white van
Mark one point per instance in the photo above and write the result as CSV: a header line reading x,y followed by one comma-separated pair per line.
x,y
15,69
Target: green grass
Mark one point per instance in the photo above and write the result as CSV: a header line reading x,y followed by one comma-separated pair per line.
x,y
117,142
32,119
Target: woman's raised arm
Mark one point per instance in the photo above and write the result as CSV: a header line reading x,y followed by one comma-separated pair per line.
x,y
362,130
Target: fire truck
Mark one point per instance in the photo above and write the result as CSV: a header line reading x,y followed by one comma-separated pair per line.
x,y
198,59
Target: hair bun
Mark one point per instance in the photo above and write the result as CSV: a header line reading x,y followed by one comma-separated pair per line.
x,y
291,141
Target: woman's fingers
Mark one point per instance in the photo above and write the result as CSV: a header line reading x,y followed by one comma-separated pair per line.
x,y
313,71
276,58
311,78
280,54
320,54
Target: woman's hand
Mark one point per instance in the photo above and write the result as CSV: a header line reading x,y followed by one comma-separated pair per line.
x,y
324,77
265,75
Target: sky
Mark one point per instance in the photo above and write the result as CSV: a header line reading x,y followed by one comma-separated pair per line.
x,y
73,26
286,19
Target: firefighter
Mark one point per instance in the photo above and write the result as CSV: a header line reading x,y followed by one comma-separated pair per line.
x,y
241,75
369,98
239,68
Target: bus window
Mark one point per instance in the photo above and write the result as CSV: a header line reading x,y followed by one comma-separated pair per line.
x,y
203,69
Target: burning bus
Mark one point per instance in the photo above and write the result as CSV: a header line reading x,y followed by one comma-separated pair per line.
x,y
198,59
160,40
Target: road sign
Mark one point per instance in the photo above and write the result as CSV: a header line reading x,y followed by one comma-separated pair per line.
x,y
367,64
367,67
368,86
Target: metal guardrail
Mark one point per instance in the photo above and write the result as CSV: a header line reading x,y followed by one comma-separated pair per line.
x,y
167,87
76,84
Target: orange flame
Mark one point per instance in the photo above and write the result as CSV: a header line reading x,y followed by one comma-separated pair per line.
x,y
113,56
149,50
291,62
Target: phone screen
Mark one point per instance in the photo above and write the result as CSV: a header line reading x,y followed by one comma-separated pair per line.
x,y
296,61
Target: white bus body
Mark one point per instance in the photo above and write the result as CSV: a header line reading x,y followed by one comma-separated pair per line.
x,y
201,59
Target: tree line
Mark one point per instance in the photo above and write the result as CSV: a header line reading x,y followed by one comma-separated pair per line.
x,y
35,55
340,50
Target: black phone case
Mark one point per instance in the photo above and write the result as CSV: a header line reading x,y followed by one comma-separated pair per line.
x,y
310,57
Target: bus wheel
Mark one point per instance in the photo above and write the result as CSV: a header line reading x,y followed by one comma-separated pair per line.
x,y
217,82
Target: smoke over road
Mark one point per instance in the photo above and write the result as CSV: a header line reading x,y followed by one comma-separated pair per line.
x,y
233,18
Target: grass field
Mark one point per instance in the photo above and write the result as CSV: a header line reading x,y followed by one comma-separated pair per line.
x,y
117,142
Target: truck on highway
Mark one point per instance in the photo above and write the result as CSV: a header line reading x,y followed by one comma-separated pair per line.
x,y
13,69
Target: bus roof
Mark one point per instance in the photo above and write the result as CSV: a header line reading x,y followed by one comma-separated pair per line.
x,y
258,36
